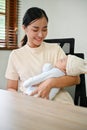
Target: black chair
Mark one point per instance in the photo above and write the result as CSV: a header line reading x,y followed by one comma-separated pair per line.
x,y
67,45
80,90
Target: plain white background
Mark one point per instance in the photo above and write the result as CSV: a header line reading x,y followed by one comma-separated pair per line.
x,y
67,18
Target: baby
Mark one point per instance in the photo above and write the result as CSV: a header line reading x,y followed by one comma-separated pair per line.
x,y
70,65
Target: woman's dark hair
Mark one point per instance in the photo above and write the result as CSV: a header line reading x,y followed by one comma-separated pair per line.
x,y
30,15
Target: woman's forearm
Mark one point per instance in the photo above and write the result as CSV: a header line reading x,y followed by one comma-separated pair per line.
x,y
65,81
44,88
12,85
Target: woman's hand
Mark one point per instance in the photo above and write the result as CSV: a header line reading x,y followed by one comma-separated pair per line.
x,y
43,89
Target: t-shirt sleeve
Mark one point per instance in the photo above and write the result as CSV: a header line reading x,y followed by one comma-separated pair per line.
x,y
61,53
11,72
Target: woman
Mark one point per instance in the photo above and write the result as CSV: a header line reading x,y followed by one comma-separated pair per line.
x,y
28,60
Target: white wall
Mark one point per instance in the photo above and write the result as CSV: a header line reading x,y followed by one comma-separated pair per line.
x,y
67,18
3,64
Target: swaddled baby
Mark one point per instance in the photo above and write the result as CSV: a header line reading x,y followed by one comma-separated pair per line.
x,y
70,65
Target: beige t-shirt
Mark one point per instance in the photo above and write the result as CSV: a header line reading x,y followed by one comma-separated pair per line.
x,y
26,62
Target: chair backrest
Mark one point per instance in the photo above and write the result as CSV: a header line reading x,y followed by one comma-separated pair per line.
x,y
80,90
67,45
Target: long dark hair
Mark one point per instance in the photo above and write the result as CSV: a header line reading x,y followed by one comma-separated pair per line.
x,y
30,15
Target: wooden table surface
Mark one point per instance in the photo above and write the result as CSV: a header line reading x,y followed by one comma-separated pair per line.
x,y
21,112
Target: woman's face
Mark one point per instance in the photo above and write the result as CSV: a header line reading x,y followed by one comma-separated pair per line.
x,y
36,32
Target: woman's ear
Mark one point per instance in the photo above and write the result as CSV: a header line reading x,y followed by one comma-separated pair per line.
x,y
23,27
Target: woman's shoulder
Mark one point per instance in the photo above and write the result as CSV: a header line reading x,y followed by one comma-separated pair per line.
x,y
55,48
20,50
52,46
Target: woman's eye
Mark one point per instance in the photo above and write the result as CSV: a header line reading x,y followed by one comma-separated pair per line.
x,y
44,30
35,30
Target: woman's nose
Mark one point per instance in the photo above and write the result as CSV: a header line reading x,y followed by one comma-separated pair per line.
x,y
40,34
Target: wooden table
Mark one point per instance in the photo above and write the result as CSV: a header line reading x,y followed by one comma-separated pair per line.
x,y
21,112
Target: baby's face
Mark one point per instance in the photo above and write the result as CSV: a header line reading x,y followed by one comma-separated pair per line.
x,y
61,63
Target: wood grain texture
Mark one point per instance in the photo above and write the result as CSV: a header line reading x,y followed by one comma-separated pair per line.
x,y
22,112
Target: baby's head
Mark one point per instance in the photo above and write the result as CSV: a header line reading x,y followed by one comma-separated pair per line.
x,y
61,63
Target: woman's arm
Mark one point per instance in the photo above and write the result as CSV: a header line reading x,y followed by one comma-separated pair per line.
x,y
44,88
12,85
65,81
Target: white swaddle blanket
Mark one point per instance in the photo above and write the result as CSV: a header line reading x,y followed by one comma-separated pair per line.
x,y
76,65
48,72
